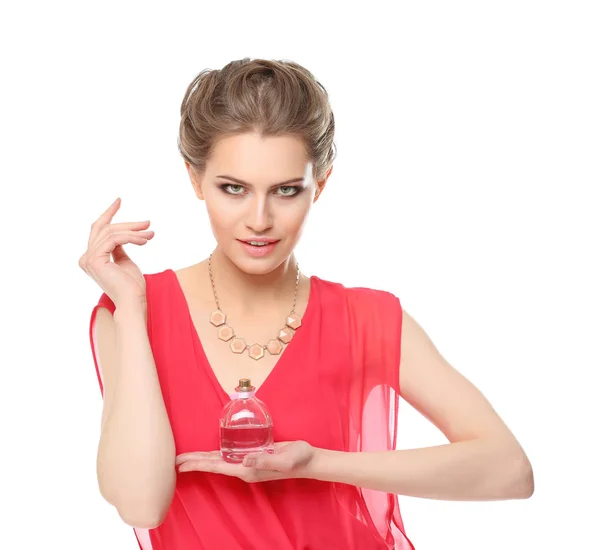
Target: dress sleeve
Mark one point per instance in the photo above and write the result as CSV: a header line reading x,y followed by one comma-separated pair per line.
x,y
375,331
107,303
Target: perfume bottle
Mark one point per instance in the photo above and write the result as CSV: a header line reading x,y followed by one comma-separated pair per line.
x,y
246,425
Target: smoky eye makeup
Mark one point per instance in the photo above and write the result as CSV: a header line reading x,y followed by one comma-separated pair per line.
x,y
289,191
225,186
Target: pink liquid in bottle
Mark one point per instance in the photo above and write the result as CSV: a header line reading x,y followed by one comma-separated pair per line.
x,y
245,425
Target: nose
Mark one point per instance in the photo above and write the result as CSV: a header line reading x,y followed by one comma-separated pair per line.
x,y
259,218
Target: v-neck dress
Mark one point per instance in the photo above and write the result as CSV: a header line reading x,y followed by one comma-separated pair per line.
x,y
335,385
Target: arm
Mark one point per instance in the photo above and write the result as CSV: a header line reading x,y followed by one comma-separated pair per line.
x,y
136,453
483,460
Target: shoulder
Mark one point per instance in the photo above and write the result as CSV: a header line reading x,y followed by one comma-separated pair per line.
x,y
371,320
364,297
373,310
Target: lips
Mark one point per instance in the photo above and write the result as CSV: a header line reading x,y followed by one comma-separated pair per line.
x,y
260,251
259,240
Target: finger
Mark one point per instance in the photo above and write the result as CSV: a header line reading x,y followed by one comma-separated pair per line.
x,y
119,255
105,218
196,455
204,465
107,229
128,226
100,252
210,465
108,244
95,258
265,461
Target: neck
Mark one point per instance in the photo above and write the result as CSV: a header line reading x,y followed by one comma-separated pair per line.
x,y
253,292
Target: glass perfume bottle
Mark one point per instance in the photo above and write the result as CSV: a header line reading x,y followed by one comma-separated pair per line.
x,y
246,425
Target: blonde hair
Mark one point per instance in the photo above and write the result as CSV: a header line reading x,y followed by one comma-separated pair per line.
x,y
271,98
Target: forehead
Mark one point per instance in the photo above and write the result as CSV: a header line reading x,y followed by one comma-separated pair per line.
x,y
255,158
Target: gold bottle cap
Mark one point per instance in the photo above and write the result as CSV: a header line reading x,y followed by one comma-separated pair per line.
x,y
245,384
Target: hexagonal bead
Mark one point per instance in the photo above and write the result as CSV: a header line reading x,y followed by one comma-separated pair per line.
x,y
225,333
217,318
274,347
294,321
237,345
285,335
256,351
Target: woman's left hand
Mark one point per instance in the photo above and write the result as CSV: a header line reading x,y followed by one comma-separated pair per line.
x,y
290,459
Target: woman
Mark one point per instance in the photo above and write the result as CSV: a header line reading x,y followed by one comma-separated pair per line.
x,y
257,141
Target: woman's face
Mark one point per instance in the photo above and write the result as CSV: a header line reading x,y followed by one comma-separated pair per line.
x,y
257,188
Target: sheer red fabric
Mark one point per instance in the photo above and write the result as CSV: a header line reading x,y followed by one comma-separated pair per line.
x,y
336,385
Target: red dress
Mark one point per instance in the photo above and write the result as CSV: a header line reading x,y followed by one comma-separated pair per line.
x,y
336,385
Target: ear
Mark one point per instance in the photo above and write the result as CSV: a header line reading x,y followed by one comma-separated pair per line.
x,y
196,180
321,184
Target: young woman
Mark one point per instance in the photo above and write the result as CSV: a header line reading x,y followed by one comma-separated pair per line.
x,y
329,361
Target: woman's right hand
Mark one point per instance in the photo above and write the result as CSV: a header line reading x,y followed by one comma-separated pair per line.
x,y
122,279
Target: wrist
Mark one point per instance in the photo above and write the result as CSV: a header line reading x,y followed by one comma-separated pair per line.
x,y
317,466
133,308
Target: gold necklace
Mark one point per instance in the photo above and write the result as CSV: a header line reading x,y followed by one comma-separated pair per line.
x,y
237,344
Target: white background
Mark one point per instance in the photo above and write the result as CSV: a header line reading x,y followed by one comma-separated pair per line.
x,y
466,183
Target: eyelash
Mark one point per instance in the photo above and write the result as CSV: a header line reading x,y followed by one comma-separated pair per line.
x,y
298,190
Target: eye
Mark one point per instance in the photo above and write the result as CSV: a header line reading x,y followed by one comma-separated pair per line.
x,y
289,190
232,186
286,191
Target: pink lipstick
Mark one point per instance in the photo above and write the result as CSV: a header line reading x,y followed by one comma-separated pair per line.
x,y
259,250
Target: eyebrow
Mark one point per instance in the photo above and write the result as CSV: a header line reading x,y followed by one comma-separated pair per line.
x,y
242,182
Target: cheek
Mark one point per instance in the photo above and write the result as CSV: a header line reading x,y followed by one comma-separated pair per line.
x,y
295,215
222,216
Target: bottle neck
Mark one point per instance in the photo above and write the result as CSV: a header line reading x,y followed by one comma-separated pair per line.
x,y
242,394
